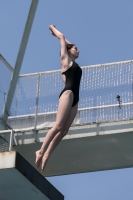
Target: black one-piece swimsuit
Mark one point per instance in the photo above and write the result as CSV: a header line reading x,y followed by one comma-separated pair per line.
x,y
73,77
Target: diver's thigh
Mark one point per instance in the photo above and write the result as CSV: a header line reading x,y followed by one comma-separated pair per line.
x,y
65,104
71,117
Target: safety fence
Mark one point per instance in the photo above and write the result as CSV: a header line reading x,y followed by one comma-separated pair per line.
x,y
5,78
106,94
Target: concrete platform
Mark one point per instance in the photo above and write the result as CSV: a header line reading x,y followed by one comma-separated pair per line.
x,y
86,148
19,180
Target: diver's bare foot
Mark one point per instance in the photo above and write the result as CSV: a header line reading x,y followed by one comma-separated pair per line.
x,y
44,162
38,158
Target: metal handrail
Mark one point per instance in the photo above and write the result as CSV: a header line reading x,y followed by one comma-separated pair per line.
x,y
83,67
80,109
11,132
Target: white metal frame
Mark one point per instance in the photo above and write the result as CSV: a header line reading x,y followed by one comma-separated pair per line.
x,y
11,132
20,57
6,63
83,67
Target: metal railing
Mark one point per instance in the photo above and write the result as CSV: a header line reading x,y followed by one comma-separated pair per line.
x,y
6,72
6,140
106,94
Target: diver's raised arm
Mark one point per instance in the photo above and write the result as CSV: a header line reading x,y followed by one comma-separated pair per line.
x,y
67,42
50,27
63,41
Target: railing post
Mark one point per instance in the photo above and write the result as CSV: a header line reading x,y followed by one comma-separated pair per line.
x,y
11,140
37,98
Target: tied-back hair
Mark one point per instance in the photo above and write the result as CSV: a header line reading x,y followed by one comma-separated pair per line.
x,y
68,46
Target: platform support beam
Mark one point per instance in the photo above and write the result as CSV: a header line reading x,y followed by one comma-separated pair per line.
x,y
19,59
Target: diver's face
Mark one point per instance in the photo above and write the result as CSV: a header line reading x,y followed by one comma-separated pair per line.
x,y
74,51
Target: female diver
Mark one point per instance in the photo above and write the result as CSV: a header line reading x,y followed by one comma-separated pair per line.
x,y
68,99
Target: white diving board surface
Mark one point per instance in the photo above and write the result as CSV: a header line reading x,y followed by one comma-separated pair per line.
x,y
86,148
19,180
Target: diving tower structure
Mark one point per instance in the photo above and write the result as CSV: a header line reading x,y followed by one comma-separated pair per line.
x,y
19,179
101,136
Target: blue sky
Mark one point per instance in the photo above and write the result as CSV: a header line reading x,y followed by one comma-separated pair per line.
x,y
103,31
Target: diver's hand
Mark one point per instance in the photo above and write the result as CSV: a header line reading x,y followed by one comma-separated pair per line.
x,y
51,29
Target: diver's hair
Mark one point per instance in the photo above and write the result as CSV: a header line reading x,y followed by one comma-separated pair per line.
x,y
68,46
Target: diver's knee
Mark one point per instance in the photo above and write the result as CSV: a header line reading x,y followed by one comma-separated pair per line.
x,y
58,127
64,132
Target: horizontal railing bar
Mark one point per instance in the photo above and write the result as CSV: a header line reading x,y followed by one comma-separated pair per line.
x,y
108,106
108,64
76,125
40,73
91,66
5,131
27,75
81,109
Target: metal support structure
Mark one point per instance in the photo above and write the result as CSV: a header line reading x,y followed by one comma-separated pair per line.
x,y
11,140
37,97
11,132
3,125
6,63
19,59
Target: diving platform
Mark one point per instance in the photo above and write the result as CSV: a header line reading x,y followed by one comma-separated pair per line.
x,y
19,180
86,148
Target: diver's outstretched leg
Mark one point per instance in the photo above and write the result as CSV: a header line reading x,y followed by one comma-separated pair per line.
x,y
58,137
64,108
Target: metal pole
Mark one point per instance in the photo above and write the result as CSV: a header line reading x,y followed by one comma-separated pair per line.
x,y
19,59
37,98
11,140
36,111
